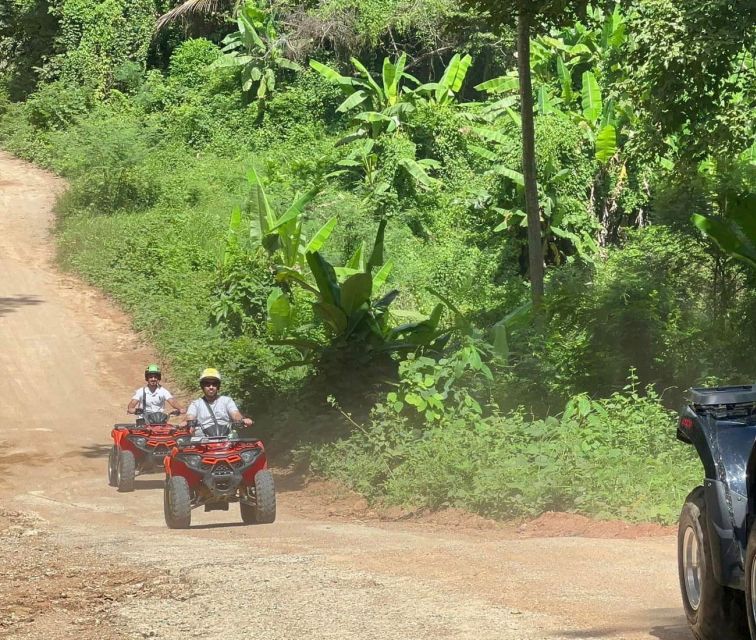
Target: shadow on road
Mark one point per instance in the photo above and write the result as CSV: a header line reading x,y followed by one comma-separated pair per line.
x,y
670,625
144,485
10,304
219,525
95,451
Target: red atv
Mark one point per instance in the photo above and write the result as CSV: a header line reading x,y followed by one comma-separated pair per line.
x,y
140,448
215,470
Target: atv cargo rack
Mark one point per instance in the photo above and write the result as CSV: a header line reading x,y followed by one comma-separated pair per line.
x,y
724,402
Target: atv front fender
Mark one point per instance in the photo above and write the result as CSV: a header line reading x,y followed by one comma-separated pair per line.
x,y
726,449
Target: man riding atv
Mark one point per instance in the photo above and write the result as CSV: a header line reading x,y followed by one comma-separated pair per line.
x,y
213,410
151,399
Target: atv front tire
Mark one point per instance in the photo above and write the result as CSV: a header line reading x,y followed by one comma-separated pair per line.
x,y
264,509
750,581
113,466
714,612
126,471
177,503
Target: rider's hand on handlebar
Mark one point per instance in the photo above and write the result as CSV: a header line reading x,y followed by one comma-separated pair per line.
x,y
248,422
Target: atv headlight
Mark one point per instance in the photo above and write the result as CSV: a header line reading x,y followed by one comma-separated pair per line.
x,y
248,456
192,459
182,441
140,441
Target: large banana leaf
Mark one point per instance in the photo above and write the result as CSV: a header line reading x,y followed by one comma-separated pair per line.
x,y
279,311
259,206
355,292
296,208
500,84
376,256
454,75
565,78
377,91
325,278
332,316
357,98
606,143
591,94
392,75
357,261
380,278
417,172
731,238
319,239
331,74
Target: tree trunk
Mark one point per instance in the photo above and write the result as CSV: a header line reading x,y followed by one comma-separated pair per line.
x,y
535,249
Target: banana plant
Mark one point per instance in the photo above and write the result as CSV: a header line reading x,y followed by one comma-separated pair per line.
x,y
733,227
364,161
448,87
281,234
351,310
554,225
385,97
256,49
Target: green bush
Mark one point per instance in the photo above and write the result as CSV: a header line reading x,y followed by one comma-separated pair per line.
x,y
610,458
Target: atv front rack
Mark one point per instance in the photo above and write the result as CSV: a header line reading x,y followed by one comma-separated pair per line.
x,y
724,402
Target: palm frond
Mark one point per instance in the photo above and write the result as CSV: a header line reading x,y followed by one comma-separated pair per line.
x,y
189,8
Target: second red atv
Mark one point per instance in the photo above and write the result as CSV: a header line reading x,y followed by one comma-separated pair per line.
x,y
140,448
215,470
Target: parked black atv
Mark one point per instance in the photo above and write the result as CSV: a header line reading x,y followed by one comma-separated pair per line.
x,y
716,540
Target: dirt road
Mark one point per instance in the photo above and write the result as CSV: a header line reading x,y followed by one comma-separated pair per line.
x,y
78,560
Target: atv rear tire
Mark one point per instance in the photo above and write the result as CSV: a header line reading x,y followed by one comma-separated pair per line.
x,y
125,471
177,503
714,612
264,509
113,466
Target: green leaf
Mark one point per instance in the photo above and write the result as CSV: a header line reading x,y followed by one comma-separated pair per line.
x,y
606,143
382,275
500,84
514,176
296,208
357,98
332,316
357,261
453,77
331,74
279,311
728,237
376,255
392,75
258,204
483,152
319,239
325,278
355,292
592,105
565,78
417,172
371,83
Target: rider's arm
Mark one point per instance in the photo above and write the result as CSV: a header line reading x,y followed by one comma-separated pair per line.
x,y
132,406
175,404
237,416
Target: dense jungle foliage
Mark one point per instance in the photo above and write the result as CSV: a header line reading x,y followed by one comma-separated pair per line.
x,y
325,200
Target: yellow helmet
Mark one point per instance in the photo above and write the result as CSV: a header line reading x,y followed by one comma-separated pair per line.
x,y
210,374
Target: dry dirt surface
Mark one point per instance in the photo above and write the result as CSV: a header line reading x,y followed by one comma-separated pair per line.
x,y
79,560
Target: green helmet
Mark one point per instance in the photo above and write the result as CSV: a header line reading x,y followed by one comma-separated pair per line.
x,y
151,370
